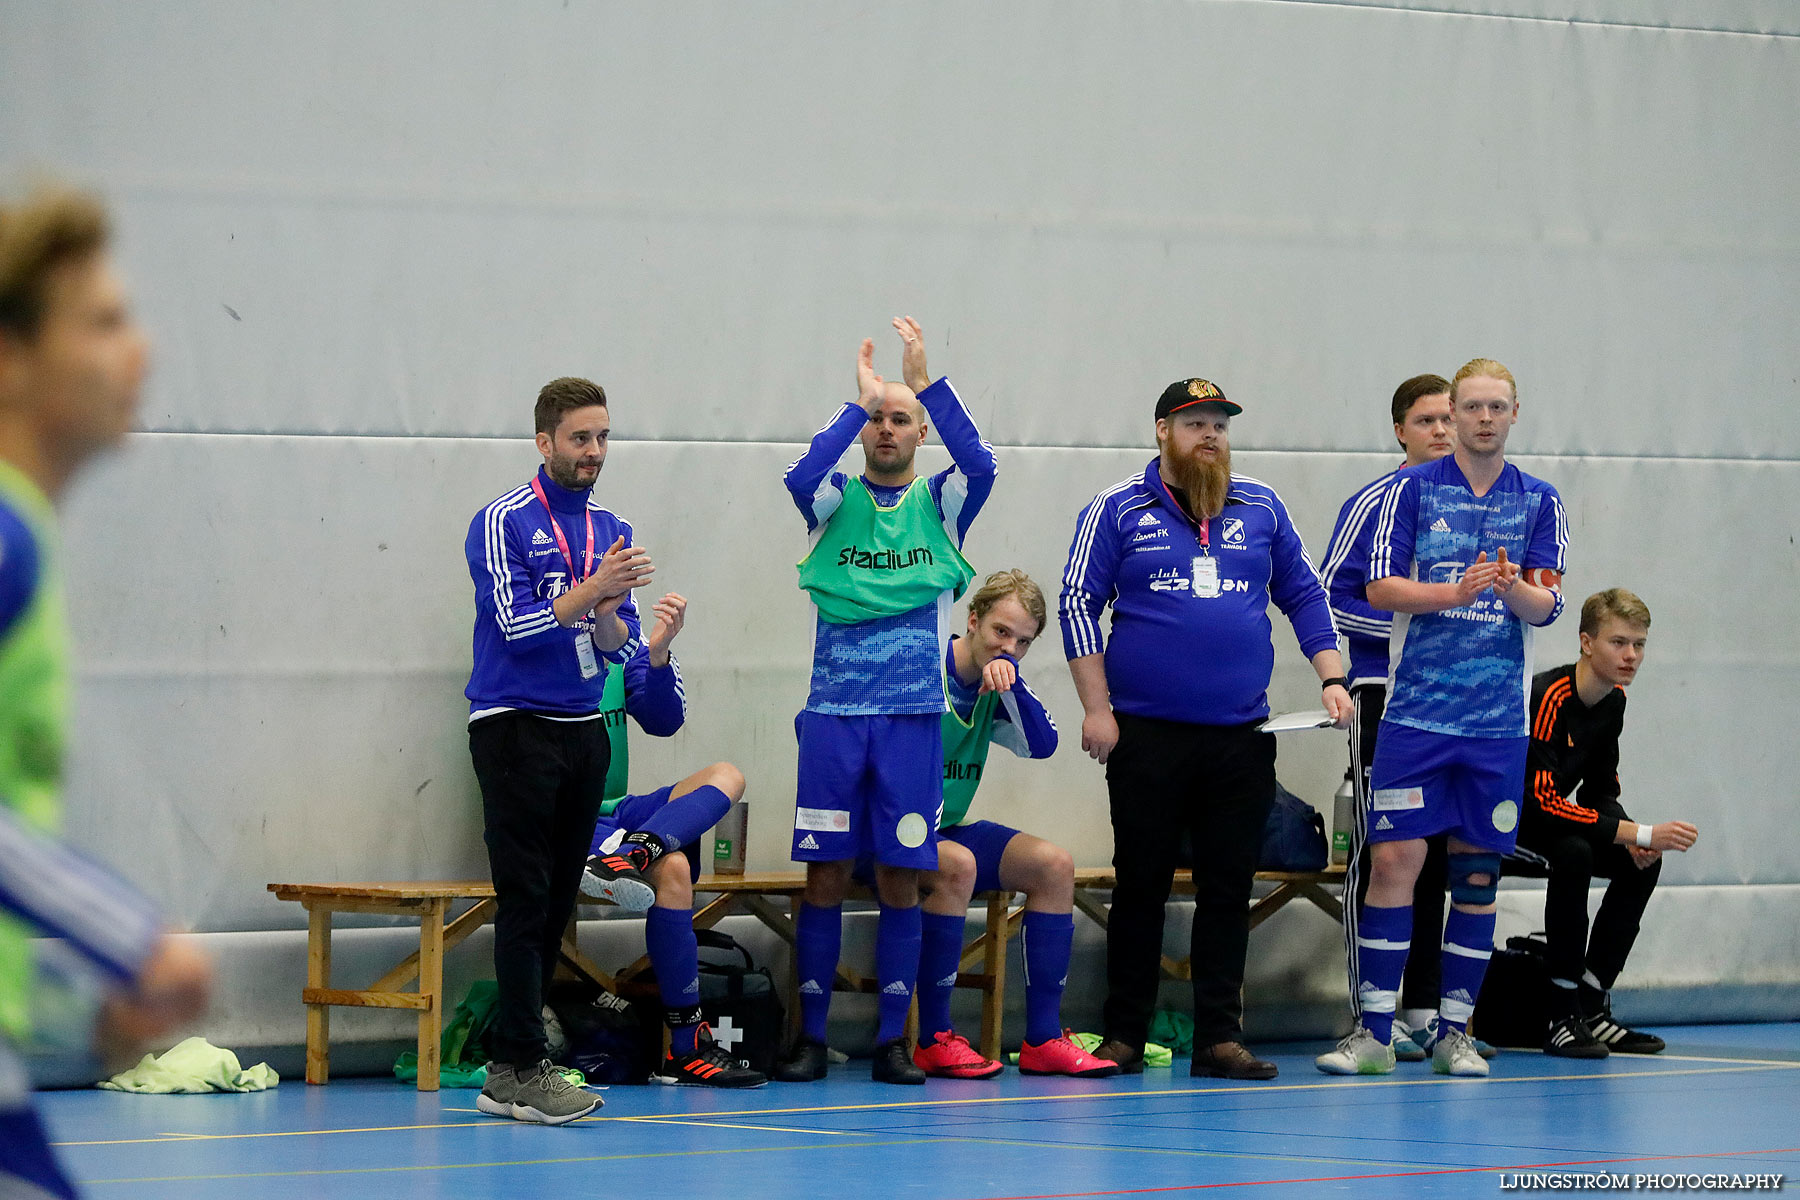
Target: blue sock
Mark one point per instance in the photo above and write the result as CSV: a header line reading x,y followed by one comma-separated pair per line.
x,y
1047,938
1468,943
682,820
818,935
669,936
1382,938
940,954
896,968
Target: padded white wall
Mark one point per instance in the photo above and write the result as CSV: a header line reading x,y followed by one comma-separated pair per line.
x,y
363,235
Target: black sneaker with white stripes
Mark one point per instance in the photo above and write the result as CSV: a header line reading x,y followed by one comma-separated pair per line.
x,y
1569,1037
1619,1038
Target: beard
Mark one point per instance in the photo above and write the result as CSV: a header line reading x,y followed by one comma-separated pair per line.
x,y
1204,480
566,471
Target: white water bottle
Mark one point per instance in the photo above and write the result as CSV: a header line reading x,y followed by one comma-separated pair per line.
x,y
1343,813
728,840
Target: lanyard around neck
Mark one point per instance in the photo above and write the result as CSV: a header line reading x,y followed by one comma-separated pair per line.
x,y
1205,547
562,543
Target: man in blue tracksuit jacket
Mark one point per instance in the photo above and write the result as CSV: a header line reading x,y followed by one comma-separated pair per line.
x,y
553,574
1189,556
1422,426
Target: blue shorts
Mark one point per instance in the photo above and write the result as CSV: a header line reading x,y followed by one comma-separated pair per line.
x,y
1426,783
28,1166
986,840
630,815
874,779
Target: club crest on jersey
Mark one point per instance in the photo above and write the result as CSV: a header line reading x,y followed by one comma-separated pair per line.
x,y
1232,529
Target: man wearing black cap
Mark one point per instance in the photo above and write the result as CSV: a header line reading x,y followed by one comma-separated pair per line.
x,y
1189,556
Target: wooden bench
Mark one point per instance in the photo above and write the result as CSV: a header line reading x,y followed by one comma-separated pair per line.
x,y
1289,886
983,965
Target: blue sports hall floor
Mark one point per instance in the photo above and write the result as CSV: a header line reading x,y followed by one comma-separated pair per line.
x,y
1723,1099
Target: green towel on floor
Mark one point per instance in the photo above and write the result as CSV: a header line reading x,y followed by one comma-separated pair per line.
x,y
463,1062
461,1058
1174,1030
1154,1055
195,1065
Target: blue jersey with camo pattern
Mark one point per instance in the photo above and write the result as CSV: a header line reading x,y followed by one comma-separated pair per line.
x,y
890,665
1465,671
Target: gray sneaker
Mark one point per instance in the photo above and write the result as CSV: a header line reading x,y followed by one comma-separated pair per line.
x,y
1406,1046
1358,1054
1454,1054
538,1094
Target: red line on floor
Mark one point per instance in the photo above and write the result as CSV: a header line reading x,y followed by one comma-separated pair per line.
x,y
1196,1187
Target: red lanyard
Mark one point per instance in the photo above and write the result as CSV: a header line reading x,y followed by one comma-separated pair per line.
x,y
1205,547
562,543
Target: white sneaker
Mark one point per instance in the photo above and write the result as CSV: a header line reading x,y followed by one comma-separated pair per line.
x,y
1406,1043
1358,1054
1455,1054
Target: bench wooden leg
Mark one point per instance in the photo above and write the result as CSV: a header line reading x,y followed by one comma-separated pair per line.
x,y
571,957
993,965
318,975
431,991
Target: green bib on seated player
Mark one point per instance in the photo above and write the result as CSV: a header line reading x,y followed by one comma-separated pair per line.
x,y
872,562
34,696
612,715
965,756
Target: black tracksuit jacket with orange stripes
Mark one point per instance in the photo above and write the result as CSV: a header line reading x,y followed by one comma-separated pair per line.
x,y
1572,744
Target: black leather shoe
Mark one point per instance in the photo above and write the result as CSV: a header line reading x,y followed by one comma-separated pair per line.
x,y
1130,1058
805,1062
1230,1060
894,1064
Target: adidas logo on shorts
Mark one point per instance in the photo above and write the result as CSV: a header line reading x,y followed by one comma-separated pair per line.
x,y
1384,823
539,538
948,980
896,988
1440,526
811,988
808,843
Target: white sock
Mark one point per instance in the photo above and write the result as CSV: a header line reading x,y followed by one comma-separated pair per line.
x,y
1417,1018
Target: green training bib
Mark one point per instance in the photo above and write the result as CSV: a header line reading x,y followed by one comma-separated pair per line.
x,y
612,715
873,562
965,756
34,701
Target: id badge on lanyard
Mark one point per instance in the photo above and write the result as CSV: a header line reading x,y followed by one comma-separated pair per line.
x,y
1206,576
1206,567
584,639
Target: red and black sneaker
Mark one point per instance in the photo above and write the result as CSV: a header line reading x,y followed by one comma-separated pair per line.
x,y
949,1056
618,878
708,1066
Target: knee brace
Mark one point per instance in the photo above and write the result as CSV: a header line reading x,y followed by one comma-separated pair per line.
x,y
1463,866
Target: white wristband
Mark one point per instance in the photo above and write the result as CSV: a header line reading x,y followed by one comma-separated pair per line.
x,y
1643,835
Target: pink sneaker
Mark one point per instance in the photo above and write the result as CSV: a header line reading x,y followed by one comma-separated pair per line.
x,y
1060,1056
949,1056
